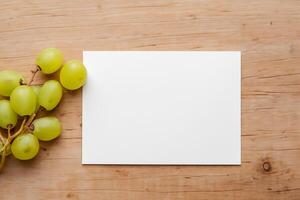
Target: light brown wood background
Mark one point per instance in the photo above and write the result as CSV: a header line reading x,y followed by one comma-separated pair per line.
x,y
266,31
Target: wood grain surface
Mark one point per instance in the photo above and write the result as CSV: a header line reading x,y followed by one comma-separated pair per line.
x,y
266,31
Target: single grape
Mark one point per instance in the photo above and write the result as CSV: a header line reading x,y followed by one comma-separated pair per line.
x,y
8,117
25,146
46,128
50,94
23,100
37,90
9,80
50,60
8,150
73,75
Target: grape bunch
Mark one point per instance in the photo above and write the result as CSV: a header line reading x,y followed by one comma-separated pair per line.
x,y
21,128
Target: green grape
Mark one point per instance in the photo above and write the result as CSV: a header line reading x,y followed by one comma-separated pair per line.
x,y
73,75
23,100
9,80
7,115
50,94
8,150
25,147
46,128
36,90
50,60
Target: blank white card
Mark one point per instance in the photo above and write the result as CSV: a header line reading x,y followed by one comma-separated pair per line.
x,y
162,107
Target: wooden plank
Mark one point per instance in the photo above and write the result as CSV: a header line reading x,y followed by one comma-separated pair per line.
x,y
266,31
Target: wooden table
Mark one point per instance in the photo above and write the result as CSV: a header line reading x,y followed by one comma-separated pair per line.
x,y
266,31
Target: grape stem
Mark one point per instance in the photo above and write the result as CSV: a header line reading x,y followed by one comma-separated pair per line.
x,y
34,72
9,139
1,137
31,118
8,131
2,160
19,131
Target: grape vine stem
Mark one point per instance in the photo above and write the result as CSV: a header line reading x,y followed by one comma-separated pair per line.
x,y
2,160
19,131
8,131
34,72
31,118
8,140
1,137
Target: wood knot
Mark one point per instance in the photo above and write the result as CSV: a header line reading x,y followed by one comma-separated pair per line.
x,y
72,195
267,167
43,148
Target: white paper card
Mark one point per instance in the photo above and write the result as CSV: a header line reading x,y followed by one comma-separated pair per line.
x,y
162,107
